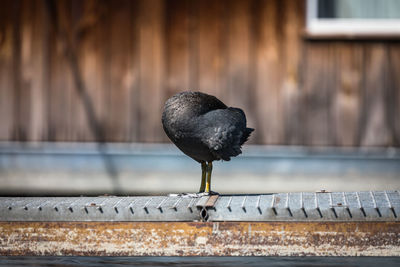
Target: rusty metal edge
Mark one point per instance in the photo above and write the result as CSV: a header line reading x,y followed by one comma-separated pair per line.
x,y
211,201
200,239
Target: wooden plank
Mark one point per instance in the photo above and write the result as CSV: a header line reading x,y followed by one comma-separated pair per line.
x,y
177,47
212,46
40,65
194,45
85,43
151,60
238,62
347,95
33,78
61,85
319,78
393,98
292,44
18,130
26,71
239,90
134,122
76,126
100,37
374,128
6,71
268,74
121,71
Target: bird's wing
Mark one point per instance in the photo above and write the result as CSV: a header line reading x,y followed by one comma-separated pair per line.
x,y
224,131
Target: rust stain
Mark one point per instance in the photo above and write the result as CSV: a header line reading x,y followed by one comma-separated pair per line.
x,y
211,201
200,239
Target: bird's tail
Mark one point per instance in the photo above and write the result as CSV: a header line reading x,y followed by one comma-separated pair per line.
x,y
246,135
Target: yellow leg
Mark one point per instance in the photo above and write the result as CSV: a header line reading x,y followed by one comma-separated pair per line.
x,y
208,183
203,177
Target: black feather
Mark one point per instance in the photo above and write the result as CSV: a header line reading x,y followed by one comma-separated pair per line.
x,y
203,127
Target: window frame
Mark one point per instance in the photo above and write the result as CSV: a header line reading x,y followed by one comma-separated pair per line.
x,y
317,27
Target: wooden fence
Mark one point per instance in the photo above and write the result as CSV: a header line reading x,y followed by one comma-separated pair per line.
x,y
101,71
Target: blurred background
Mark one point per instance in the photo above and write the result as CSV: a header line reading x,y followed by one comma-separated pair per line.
x,y
83,84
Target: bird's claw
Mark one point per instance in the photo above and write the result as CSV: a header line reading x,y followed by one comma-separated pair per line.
x,y
194,195
185,195
210,193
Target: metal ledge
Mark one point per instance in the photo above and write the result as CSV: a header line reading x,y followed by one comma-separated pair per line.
x,y
282,224
59,169
321,206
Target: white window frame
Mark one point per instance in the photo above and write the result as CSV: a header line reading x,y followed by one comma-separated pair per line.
x,y
355,27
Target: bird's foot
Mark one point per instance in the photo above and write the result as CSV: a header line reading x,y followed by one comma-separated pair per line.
x,y
210,193
194,195
186,195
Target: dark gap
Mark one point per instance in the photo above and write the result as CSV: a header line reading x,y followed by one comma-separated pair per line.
x,y
363,212
305,213
204,215
259,210
348,211
334,212
379,212
319,212
290,212
394,212
274,210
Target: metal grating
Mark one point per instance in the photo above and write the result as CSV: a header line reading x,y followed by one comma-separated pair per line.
x,y
303,206
337,206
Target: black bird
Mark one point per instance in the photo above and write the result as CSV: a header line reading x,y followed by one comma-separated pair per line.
x,y
205,129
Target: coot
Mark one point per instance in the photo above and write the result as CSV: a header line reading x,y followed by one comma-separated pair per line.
x,y
205,129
